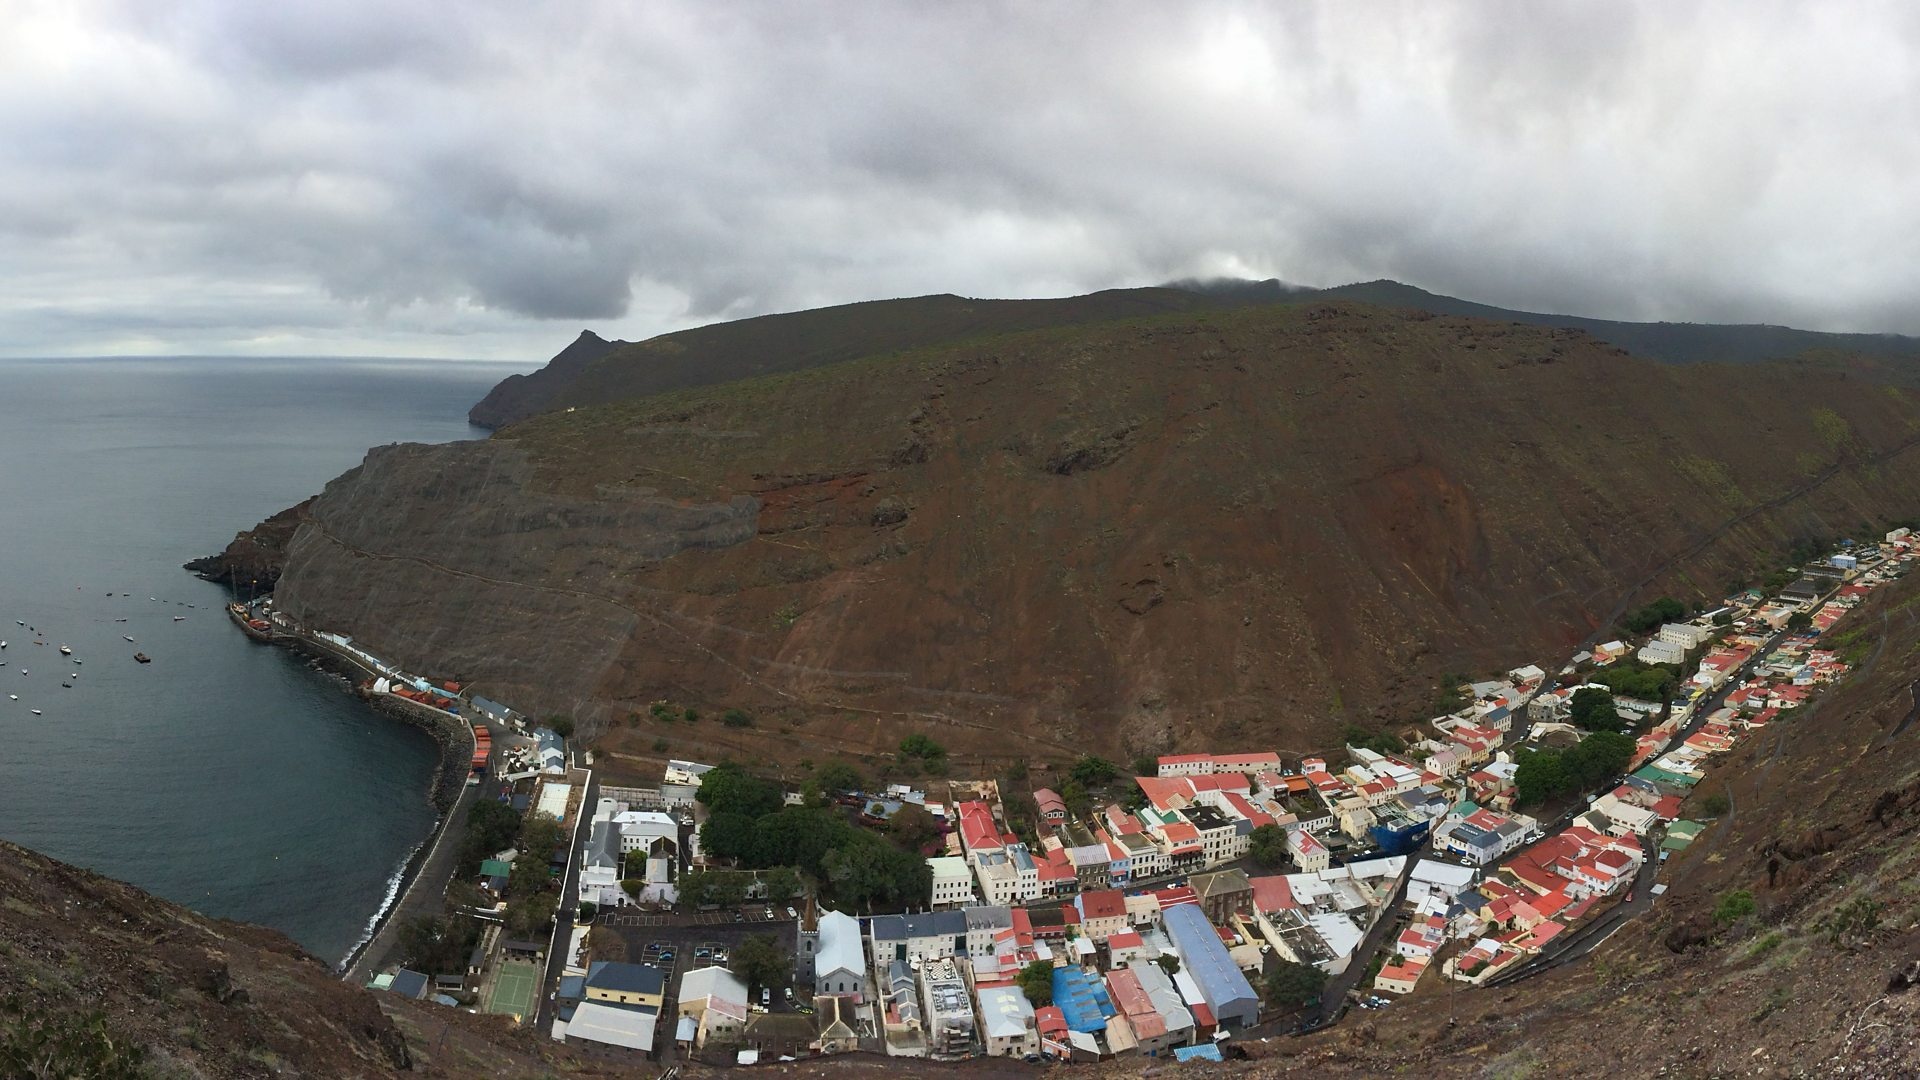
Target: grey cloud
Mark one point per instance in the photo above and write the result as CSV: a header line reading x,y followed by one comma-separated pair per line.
x,y
481,179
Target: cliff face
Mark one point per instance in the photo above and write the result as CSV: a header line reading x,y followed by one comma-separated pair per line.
x,y
255,557
1218,528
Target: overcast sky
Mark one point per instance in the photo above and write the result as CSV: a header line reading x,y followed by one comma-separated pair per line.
x,y
484,179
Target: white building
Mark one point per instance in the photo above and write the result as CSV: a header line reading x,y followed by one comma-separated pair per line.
x,y
839,966
952,881
1008,1019
717,999
1685,635
1659,651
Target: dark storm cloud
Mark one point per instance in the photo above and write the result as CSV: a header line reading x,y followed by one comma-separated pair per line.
x,y
435,179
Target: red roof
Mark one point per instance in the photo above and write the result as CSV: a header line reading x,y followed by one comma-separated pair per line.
x,y
1221,782
1271,893
1164,791
1050,1020
1184,759
1123,939
1183,894
1103,904
1180,832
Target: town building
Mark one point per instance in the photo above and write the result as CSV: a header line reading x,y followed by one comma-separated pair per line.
x,y
1204,957
716,1000
952,881
839,962
621,1007
1007,1021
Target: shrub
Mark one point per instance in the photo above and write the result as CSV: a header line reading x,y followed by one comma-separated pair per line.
x,y
1733,907
736,718
1715,804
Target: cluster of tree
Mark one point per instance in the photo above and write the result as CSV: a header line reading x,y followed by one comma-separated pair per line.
x,y
1543,774
761,962
1036,981
1592,708
920,750
748,822
1648,682
1267,845
833,778
1093,771
728,888
1380,742
1664,610
913,828
491,827
437,945
1291,986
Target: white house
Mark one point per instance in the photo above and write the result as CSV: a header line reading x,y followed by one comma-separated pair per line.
x,y
1658,651
717,999
1008,1017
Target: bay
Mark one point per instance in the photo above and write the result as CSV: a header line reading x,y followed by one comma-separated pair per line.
x,y
226,775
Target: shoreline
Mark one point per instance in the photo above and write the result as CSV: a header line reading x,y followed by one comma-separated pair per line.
x,y
444,790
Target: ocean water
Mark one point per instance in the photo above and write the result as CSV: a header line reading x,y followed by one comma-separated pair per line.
x,y
226,775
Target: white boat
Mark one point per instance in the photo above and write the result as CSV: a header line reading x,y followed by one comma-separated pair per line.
x,y
129,637
65,651
76,659
36,712
179,618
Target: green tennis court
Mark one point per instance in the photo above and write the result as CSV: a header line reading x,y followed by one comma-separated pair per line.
x,y
513,988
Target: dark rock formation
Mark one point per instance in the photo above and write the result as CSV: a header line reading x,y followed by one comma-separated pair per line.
x,y
520,396
252,562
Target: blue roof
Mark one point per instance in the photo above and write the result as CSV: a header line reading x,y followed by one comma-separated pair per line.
x,y
1204,955
409,984
1203,1052
1082,998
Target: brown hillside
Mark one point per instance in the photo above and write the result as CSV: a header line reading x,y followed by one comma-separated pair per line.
x,y
1202,530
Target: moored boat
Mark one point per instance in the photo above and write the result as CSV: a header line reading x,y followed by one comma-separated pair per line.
x,y
143,658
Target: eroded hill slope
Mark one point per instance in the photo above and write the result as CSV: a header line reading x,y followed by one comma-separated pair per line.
x,y
1201,529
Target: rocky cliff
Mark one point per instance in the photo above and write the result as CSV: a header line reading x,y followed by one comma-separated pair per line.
x,y
1207,528
519,396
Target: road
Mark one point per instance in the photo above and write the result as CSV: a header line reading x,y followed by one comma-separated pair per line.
x,y
564,914
1333,998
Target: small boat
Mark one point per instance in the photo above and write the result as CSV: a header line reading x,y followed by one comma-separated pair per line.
x,y
129,637
3,644
65,651
19,622
76,659
179,618
143,658
67,685
36,712
119,620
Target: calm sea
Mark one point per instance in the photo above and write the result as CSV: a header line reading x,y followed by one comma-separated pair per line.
x,y
229,776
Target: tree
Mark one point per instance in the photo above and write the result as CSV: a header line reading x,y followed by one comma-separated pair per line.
x,y
736,718
781,883
691,715
1715,804
1598,757
727,787
491,827
588,909
1723,618
1799,620
1074,794
1267,844
1592,708
1380,742
761,962
837,776
918,747
729,835
1733,907
529,875
912,827
561,726
1093,771
1291,985
1146,765
1539,777
1036,981
1664,610
528,918
1169,963
434,945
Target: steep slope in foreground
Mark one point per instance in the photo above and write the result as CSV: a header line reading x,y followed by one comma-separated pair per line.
x,y
94,972
1822,979
1195,530
593,372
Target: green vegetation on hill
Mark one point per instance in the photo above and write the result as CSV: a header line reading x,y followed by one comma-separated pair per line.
x,y
748,823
